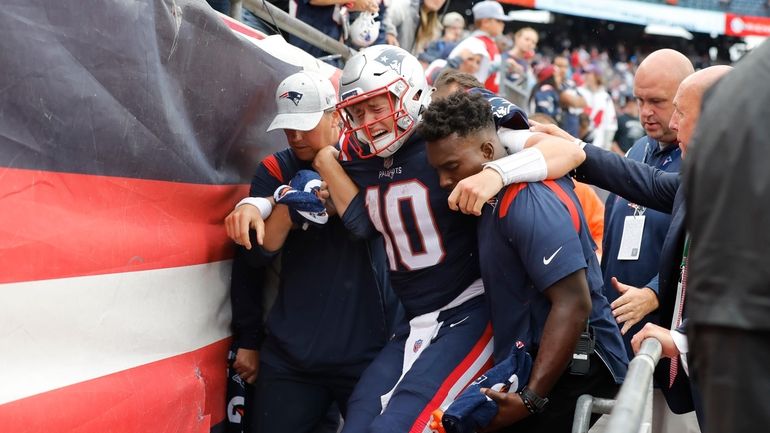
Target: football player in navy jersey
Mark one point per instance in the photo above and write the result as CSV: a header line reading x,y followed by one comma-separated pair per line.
x,y
541,275
380,181
334,308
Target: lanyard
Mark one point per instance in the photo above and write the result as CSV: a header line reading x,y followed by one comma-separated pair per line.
x,y
685,252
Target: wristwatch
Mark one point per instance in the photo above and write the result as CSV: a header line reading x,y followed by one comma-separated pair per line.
x,y
533,402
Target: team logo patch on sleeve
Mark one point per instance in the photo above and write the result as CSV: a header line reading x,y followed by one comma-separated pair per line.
x,y
291,95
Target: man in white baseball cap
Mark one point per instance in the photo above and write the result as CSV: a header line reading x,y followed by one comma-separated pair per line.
x,y
302,100
306,112
489,19
325,333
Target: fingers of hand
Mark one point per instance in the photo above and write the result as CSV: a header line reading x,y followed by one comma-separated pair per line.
x,y
466,202
620,302
243,231
620,287
625,312
494,395
478,205
627,325
260,229
231,227
453,198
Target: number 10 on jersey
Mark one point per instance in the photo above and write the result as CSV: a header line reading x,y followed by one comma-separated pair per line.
x,y
404,217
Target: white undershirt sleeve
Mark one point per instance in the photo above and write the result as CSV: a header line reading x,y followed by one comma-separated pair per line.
x,y
680,341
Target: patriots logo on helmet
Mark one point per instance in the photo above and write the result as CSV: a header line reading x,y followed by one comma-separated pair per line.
x,y
291,95
500,107
393,59
505,113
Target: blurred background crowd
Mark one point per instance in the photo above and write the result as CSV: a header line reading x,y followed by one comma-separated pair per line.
x,y
576,69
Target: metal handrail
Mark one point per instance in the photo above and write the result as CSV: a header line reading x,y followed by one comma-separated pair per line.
x,y
286,22
630,403
628,408
586,405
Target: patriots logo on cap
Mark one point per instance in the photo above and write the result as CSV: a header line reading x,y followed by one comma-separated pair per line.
x,y
291,95
392,58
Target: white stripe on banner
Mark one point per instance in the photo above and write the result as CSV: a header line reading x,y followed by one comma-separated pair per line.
x,y
59,332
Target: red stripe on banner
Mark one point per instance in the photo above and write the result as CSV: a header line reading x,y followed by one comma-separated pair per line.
x,y
183,393
242,28
56,225
454,376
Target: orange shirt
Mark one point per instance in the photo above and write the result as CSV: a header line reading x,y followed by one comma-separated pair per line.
x,y
593,209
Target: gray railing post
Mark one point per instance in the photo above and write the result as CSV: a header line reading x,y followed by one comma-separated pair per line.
x,y
586,405
630,403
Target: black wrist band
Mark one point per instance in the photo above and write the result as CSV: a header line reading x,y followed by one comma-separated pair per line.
x,y
533,402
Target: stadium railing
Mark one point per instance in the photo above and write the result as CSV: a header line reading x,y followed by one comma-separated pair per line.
x,y
627,410
309,34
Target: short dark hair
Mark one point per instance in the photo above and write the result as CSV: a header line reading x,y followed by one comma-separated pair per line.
x,y
461,113
451,76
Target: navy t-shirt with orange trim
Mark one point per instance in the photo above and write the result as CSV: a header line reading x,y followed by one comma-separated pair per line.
x,y
534,236
334,308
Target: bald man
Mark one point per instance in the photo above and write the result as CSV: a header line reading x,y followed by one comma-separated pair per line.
x,y
630,269
687,104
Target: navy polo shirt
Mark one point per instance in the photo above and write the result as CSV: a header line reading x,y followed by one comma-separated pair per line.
x,y
526,244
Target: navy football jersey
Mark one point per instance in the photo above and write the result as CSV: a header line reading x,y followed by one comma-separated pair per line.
x,y
334,302
534,236
432,252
